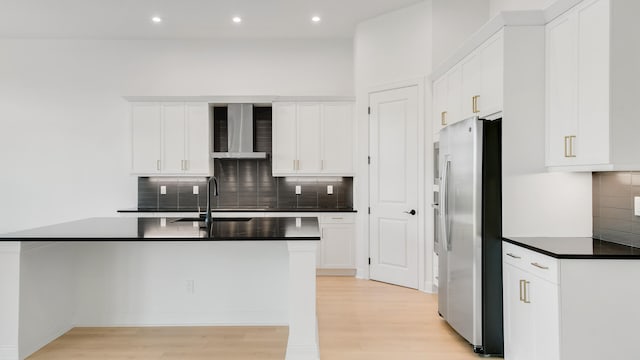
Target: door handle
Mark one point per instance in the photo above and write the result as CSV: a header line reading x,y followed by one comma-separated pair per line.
x,y
412,212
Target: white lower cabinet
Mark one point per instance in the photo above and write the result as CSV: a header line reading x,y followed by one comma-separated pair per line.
x,y
531,321
337,242
569,309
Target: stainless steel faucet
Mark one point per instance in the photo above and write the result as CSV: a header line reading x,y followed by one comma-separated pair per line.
x,y
208,220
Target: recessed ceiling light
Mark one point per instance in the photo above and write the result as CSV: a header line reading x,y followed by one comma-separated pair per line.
x,y
156,19
316,19
237,19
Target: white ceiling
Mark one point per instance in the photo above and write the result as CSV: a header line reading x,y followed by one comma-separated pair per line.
x,y
131,19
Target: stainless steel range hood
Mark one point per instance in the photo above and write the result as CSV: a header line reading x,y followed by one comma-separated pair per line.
x,y
240,134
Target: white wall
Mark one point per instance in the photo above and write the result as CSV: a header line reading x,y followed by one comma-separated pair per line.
x,y
497,6
454,21
64,139
392,48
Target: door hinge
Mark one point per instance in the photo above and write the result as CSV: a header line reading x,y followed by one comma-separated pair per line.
x,y
369,261
369,110
369,210
369,160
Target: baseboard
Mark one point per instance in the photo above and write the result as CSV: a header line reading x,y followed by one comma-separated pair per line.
x,y
9,353
46,340
335,272
430,287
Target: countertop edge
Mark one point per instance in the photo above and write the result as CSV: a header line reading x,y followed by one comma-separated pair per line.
x,y
143,211
229,239
573,256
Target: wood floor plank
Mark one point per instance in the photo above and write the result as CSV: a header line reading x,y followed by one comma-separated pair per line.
x,y
357,320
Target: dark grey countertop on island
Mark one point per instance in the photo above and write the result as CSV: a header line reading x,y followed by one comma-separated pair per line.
x,y
238,209
173,229
576,247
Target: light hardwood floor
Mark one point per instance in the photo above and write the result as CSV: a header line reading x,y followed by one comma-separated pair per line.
x,y
358,319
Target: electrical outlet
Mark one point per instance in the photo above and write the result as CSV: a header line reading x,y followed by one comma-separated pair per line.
x,y
163,222
298,189
163,190
196,189
298,222
636,205
329,189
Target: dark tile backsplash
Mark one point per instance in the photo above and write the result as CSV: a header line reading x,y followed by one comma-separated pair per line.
x,y
613,216
243,185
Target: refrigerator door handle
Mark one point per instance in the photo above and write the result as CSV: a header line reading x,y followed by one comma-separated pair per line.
x,y
444,206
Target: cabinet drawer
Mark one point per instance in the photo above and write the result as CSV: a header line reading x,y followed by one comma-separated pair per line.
x,y
542,266
337,219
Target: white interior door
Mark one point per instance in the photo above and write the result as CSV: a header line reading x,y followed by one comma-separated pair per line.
x,y
393,197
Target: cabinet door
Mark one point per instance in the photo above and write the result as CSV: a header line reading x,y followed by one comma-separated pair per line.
x,y
439,104
544,300
470,85
284,138
492,74
197,139
173,135
308,123
337,246
146,138
337,139
591,146
454,95
518,316
561,72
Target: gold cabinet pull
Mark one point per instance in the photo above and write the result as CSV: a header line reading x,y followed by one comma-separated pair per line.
x,y
540,266
568,146
158,165
525,297
571,153
443,118
321,164
521,286
513,256
475,104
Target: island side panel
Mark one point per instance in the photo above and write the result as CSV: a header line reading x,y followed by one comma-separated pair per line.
x,y
303,322
47,293
182,283
9,299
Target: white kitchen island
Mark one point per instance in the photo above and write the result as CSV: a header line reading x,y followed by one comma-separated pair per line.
x,y
163,276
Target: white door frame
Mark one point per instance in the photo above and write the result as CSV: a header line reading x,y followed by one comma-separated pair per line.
x,y
363,246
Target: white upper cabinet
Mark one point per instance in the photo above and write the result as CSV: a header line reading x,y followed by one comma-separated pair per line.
x,y
197,148
473,87
170,138
284,139
309,138
146,132
491,56
313,138
591,85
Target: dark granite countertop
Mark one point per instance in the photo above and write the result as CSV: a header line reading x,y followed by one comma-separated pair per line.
x,y
576,247
242,209
168,229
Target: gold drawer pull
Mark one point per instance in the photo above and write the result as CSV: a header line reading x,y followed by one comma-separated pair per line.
x,y
540,266
443,118
514,256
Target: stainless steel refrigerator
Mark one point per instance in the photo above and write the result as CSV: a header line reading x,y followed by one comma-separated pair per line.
x,y
470,241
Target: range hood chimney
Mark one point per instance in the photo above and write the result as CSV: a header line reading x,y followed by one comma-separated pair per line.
x,y
240,134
